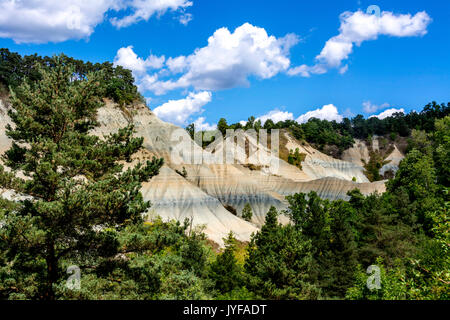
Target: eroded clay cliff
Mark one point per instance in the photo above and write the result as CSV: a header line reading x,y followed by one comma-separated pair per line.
x,y
211,191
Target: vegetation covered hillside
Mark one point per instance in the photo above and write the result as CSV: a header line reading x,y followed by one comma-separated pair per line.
x,y
79,208
14,69
335,137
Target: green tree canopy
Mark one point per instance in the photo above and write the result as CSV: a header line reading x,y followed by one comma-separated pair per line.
x,y
225,270
247,212
78,197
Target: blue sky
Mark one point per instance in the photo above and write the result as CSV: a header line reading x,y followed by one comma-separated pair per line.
x,y
397,61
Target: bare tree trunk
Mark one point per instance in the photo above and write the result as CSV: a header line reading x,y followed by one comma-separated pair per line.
x,y
52,272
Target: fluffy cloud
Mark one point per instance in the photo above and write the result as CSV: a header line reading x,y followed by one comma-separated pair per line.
x,y
179,111
228,60
369,107
276,116
357,27
388,113
145,9
201,125
31,21
327,112
128,59
232,57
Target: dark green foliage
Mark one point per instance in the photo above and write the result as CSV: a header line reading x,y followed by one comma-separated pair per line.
x,y
328,226
422,276
323,132
247,212
80,198
269,125
118,82
191,130
408,226
79,207
279,262
231,209
333,137
441,153
416,181
182,173
373,166
194,255
400,124
222,126
341,258
379,228
203,138
250,123
296,158
182,259
225,271
120,85
11,68
153,266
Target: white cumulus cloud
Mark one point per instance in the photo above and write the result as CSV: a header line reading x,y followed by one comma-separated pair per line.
x,y
357,27
328,112
388,113
276,116
179,111
145,9
369,107
31,21
201,125
127,58
228,60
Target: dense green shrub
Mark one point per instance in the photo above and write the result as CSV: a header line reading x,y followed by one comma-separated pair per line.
x,y
118,82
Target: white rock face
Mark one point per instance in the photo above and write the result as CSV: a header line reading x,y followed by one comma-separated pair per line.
x,y
360,152
208,188
395,157
357,153
5,143
318,165
175,198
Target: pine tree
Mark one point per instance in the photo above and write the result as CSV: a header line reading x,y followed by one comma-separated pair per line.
x,y
247,213
225,271
77,197
442,150
337,271
279,262
191,130
311,218
222,126
416,178
268,230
